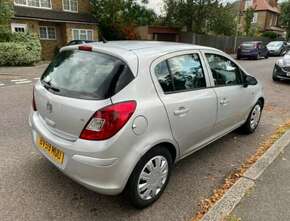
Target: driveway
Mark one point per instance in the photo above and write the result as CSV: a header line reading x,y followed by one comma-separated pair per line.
x,y
32,189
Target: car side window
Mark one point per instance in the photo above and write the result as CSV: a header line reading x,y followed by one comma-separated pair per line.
x,y
181,73
164,77
224,71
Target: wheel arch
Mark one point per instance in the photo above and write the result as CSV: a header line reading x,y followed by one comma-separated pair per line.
x,y
262,100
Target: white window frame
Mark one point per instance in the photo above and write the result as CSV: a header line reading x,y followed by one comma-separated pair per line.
x,y
79,33
46,27
17,25
69,10
26,5
255,18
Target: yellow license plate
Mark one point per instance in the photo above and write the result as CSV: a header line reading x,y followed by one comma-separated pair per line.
x,y
56,154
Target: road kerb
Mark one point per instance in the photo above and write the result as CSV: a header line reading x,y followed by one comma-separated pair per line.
x,y
233,196
255,171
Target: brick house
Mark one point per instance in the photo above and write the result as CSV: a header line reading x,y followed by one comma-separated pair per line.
x,y
158,33
55,21
266,15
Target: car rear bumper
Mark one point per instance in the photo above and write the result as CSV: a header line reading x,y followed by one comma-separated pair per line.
x,y
247,55
97,171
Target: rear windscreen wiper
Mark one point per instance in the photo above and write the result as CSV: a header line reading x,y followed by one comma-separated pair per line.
x,y
48,86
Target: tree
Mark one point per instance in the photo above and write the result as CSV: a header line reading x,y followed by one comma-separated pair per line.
x,y
285,16
222,21
6,12
117,18
200,16
249,15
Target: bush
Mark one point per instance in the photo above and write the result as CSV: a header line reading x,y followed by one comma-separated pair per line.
x,y
270,34
19,49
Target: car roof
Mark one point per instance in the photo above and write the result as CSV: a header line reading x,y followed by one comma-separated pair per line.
x,y
131,51
276,41
147,47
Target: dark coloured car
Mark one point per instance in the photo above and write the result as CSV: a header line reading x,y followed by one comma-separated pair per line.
x,y
282,68
277,48
78,42
252,49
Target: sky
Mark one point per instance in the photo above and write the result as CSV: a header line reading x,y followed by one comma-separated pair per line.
x,y
157,5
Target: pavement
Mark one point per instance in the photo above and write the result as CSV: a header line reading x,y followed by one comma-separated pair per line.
x,y
269,199
32,189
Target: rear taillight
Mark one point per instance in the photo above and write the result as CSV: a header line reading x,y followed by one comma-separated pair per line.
x,y
33,101
85,48
106,122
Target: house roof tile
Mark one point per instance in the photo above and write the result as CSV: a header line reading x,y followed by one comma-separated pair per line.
x,y
52,15
265,5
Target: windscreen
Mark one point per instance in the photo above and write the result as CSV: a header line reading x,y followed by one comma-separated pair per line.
x,y
275,44
86,75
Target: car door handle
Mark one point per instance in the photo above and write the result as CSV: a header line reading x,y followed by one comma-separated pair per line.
x,y
224,101
181,111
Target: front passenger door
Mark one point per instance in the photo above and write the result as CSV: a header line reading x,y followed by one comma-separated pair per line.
x,y
233,98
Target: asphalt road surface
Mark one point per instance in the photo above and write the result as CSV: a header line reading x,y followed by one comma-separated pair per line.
x,y
33,189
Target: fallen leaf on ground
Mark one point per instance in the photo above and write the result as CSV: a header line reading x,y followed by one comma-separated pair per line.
x,y
218,193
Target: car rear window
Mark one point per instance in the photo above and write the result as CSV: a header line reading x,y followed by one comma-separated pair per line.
x,y
248,45
86,75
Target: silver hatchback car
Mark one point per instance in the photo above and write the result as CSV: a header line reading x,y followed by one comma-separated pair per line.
x,y
116,116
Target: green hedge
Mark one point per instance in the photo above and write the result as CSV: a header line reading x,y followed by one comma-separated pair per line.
x,y
19,49
270,34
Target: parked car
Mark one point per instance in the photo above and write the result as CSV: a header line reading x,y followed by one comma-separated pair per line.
x,y
78,42
116,116
252,49
282,68
277,48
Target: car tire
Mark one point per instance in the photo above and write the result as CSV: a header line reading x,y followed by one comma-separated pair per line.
x,y
253,119
267,56
238,58
140,196
274,75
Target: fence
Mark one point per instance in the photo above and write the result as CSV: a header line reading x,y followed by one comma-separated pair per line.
x,y
224,43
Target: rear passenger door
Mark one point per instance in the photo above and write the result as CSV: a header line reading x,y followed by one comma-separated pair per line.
x,y
182,85
234,99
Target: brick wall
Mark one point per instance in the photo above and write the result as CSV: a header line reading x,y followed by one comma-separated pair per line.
x,y
262,16
83,5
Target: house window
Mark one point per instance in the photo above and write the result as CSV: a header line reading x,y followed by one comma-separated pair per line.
x,y
275,19
255,18
47,33
34,3
82,34
18,27
70,5
248,4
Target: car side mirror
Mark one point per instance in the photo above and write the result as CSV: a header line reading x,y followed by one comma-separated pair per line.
x,y
250,80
